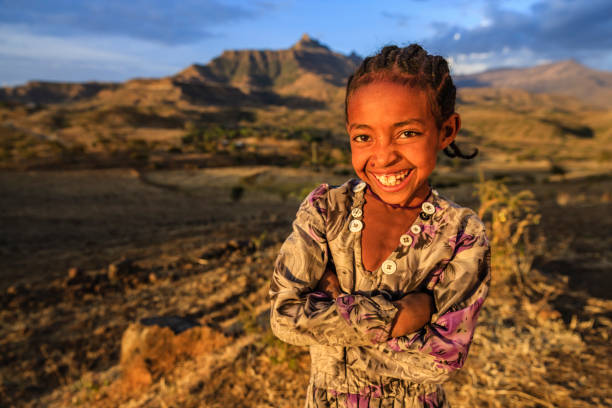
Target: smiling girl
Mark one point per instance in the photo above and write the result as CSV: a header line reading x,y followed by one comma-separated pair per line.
x,y
383,277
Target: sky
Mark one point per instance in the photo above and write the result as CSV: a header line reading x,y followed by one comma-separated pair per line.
x,y
114,40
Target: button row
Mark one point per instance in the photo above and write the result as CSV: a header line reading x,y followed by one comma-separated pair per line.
x,y
355,226
359,187
388,267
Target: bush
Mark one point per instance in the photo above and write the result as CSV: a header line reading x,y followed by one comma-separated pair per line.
x,y
508,218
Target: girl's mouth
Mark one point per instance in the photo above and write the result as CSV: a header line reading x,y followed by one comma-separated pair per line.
x,y
393,179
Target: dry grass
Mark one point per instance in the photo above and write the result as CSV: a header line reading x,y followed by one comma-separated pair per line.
x,y
541,344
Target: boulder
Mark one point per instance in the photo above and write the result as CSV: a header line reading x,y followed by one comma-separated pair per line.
x,y
155,346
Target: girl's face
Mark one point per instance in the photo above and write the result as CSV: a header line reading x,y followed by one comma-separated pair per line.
x,y
395,139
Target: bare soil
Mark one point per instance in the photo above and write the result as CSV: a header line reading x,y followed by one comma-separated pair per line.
x,y
175,243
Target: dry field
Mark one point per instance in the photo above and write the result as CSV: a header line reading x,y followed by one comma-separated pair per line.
x,y
86,255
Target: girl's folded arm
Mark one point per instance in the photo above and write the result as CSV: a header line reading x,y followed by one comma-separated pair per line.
x,y
302,315
459,288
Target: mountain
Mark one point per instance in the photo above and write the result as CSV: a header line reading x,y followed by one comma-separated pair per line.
x,y
308,69
45,92
566,77
308,74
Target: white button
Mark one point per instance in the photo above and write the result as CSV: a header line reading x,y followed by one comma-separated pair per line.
x,y
388,267
356,212
406,240
428,208
359,187
356,226
415,229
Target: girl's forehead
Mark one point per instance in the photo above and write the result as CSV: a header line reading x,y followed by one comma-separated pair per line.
x,y
379,86
386,99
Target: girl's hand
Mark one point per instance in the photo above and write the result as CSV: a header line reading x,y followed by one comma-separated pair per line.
x,y
414,311
329,283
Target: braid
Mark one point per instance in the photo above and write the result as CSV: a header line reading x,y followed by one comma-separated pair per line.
x,y
414,67
454,151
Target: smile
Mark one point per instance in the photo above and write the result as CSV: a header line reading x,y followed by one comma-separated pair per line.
x,y
390,180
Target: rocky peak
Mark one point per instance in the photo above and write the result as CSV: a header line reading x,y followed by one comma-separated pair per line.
x,y
306,42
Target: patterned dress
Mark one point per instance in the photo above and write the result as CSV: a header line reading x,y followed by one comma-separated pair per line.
x,y
354,362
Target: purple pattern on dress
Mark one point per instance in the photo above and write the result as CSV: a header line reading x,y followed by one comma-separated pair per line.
x,y
318,294
378,335
314,196
345,304
316,237
362,400
436,275
461,242
393,344
429,400
430,230
396,343
452,334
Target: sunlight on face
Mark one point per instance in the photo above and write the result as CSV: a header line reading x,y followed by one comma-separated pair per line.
x,y
395,140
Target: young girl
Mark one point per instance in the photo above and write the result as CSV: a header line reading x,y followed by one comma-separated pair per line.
x,y
383,277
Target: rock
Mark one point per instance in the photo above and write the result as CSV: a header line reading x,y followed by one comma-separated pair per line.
x,y
75,276
154,347
119,269
74,273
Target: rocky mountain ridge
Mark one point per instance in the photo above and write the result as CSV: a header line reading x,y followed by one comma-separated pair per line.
x,y
308,69
568,78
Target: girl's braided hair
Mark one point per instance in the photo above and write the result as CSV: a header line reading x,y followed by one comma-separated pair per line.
x,y
414,67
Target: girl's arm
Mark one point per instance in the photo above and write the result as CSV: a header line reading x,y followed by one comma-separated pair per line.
x,y
414,309
302,315
459,286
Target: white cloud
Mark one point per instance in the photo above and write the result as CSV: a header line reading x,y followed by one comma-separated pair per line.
x,y
18,42
531,31
471,63
26,55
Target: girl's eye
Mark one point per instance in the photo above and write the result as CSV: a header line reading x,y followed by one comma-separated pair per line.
x,y
409,133
361,138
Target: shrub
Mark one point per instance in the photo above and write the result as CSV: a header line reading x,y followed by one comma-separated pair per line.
x,y
508,217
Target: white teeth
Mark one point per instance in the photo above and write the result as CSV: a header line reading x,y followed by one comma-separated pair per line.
x,y
392,179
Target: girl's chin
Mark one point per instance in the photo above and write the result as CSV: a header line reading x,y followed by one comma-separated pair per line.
x,y
402,198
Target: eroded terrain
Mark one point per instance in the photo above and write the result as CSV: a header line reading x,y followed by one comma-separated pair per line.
x,y
200,244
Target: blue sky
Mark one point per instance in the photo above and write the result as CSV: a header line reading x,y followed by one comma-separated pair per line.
x,y
114,40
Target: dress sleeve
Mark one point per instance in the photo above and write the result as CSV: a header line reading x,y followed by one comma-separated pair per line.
x,y
301,315
459,286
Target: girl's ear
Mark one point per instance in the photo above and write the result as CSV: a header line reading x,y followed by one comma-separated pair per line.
x,y
450,129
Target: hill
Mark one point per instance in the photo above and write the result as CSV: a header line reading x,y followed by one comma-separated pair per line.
x,y
45,92
286,107
306,74
566,78
282,71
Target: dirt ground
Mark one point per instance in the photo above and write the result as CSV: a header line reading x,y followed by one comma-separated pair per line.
x,y
200,244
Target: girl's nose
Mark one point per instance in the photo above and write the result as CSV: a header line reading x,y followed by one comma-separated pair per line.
x,y
383,155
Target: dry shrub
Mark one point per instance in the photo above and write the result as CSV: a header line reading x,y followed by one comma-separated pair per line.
x,y
508,218
148,352
522,354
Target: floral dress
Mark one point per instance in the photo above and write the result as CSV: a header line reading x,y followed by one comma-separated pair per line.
x,y
354,362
